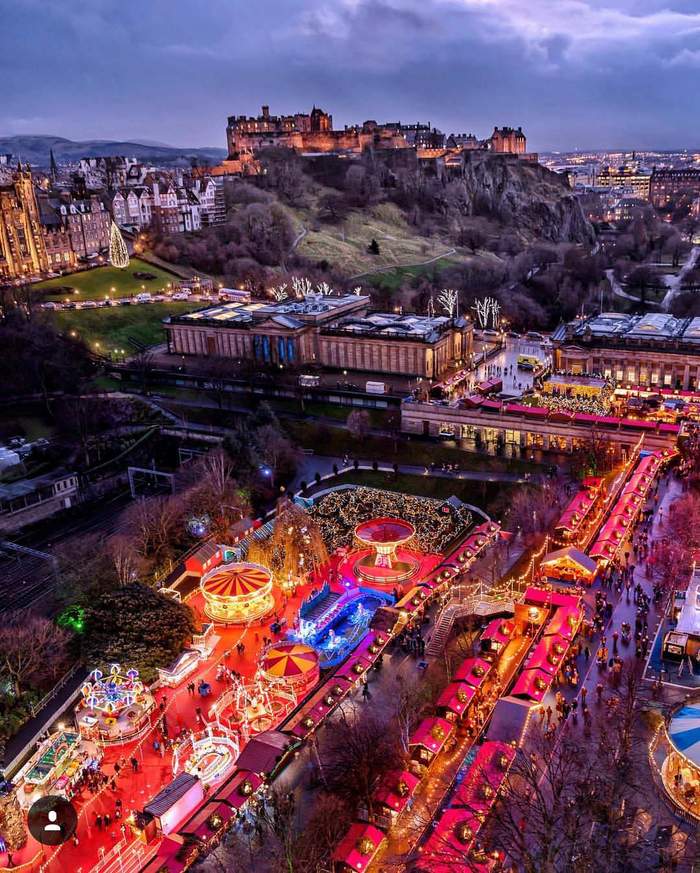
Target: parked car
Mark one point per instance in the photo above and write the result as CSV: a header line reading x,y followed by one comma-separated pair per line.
x,y
50,305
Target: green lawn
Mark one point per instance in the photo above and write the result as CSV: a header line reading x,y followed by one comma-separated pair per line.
x,y
99,283
112,326
393,279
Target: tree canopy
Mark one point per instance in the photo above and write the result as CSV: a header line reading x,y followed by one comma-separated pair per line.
x,y
137,627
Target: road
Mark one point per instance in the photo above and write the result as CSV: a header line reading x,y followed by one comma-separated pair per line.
x,y
673,283
323,465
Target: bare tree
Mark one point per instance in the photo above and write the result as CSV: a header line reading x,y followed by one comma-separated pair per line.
x,y
31,647
358,423
356,751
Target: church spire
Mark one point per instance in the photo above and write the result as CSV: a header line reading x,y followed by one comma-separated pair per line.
x,y
53,168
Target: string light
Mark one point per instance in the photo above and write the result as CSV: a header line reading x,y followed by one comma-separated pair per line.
x,y
118,252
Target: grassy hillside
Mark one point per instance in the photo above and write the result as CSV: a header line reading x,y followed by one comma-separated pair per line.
x,y
105,281
107,329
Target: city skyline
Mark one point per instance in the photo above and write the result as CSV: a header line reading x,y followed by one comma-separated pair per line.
x,y
575,75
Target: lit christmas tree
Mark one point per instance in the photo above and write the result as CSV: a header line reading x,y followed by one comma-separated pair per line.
x,y
118,253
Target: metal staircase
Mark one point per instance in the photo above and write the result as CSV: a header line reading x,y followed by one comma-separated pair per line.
x,y
466,600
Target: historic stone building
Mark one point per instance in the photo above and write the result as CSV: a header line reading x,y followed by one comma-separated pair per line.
x,y
513,430
508,140
333,332
22,247
653,350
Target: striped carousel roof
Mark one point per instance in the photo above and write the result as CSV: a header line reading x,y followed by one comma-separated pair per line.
x,y
684,732
289,659
237,580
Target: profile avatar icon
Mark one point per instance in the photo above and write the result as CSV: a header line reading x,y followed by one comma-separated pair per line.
x,y
52,826
52,820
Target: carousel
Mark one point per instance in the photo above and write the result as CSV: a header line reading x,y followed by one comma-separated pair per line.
x,y
294,665
385,558
238,593
680,771
211,755
115,707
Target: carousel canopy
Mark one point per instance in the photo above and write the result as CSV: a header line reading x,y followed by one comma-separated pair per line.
x,y
237,580
384,530
684,732
289,659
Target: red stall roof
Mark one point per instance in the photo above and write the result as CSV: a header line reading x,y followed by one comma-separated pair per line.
x,y
548,654
500,630
431,733
456,697
541,597
532,684
639,423
564,622
396,789
490,767
359,846
473,671
491,404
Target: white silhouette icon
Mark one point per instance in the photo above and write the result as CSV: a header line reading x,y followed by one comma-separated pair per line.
x,y
53,815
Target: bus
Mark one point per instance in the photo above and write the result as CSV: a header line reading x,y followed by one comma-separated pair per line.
x,y
528,362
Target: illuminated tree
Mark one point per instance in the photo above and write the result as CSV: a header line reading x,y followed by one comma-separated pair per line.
x,y
118,253
448,298
295,547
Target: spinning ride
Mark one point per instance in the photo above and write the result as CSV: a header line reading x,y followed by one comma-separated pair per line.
x,y
386,561
210,755
237,593
249,708
115,707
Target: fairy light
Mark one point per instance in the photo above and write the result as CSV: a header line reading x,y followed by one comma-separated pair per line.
x,y
118,252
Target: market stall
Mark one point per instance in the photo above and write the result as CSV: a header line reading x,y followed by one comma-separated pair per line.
x,y
56,767
569,565
358,848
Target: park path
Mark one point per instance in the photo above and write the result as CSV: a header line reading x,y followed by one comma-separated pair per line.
x,y
673,283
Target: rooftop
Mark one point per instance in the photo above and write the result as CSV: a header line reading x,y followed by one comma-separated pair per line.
x,y
638,328
287,313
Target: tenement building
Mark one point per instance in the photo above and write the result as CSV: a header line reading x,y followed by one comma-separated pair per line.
x,y
650,350
332,332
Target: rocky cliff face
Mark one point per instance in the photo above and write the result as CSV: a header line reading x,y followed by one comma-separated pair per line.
x,y
523,195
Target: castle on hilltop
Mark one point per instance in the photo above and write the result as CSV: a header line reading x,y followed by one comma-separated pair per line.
x,y
314,132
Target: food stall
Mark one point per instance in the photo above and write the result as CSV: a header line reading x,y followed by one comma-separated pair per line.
x,y
56,767
356,851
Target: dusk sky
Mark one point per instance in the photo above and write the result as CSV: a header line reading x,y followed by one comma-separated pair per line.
x,y
573,73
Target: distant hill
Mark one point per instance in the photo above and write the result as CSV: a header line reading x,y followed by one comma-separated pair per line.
x,y
35,150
